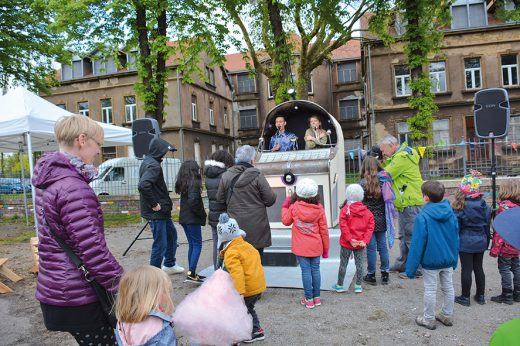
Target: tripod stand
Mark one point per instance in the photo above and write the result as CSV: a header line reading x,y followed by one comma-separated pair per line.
x,y
137,237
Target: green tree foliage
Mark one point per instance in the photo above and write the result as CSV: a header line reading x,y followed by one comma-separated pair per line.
x,y
185,31
508,10
323,26
423,37
28,46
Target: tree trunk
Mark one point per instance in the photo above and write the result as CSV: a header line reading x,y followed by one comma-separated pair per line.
x,y
412,10
160,70
283,56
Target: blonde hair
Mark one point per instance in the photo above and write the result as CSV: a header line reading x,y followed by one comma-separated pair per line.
x,y
68,128
510,190
142,290
459,200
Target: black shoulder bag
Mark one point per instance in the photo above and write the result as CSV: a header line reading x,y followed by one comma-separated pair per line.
x,y
105,298
231,186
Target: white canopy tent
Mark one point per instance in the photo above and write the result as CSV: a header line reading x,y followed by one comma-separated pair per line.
x,y
27,123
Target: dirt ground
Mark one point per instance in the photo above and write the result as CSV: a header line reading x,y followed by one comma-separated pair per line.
x,y
381,315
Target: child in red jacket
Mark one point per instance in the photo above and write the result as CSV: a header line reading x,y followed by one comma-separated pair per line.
x,y
356,223
508,256
310,236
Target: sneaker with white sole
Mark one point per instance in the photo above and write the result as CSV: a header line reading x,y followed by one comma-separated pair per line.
x,y
317,301
256,336
338,288
194,277
308,303
358,289
176,269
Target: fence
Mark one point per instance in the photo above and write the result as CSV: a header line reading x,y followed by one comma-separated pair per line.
x,y
454,160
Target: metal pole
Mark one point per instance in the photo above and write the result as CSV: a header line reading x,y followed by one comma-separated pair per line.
x,y
373,117
22,183
493,175
464,158
31,169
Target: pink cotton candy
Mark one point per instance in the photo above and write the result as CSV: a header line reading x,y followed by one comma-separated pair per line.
x,y
214,314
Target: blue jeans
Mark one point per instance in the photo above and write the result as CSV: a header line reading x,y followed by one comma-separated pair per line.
x,y
310,276
194,235
378,241
164,244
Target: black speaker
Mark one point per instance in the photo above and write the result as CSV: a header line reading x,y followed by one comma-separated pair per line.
x,y
143,131
491,113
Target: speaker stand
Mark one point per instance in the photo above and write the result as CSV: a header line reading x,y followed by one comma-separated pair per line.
x,y
493,179
137,238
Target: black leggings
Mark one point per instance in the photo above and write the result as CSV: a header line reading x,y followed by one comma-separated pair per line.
x,y
472,262
103,336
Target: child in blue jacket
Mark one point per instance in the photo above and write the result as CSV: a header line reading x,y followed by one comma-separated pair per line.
x,y
435,246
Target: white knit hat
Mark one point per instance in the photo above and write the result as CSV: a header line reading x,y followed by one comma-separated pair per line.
x,y
227,229
306,188
354,193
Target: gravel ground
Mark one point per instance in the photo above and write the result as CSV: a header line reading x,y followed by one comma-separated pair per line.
x,y
381,315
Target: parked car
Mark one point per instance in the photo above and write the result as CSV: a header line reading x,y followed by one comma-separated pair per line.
x,y
13,185
120,176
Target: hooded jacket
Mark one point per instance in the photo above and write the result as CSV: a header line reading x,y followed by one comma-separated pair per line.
x,y
247,205
403,166
213,171
474,222
355,222
435,239
310,234
500,247
65,200
152,187
242,262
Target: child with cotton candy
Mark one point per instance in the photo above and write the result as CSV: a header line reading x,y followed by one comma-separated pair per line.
x,y
243,263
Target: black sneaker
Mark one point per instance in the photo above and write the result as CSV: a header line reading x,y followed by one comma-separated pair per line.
x,y
384,278
480,299
370,279
464,301
193,277
418,274
256,336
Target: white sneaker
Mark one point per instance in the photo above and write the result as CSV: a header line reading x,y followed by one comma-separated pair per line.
x,y
176,269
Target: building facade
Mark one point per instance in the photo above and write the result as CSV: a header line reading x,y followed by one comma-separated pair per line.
x,y
478,52
198,116
336,85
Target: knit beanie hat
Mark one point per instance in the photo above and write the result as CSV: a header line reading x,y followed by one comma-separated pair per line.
x,y
227,229
470,184
354,193
306,188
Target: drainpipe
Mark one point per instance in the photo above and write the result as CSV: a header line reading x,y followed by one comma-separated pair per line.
x,y
373,115
181,129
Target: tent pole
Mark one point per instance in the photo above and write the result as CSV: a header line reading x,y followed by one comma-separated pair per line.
x,y
22,183
31,168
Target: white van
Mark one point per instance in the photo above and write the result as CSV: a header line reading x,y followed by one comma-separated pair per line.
x,y
120,176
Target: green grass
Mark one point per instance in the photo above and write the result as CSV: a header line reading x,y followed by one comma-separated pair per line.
x,y
18,239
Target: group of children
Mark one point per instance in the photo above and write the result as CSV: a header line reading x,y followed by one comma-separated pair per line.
x,y
442,233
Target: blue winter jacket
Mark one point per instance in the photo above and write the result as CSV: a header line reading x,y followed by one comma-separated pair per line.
x,y
435,239
474,222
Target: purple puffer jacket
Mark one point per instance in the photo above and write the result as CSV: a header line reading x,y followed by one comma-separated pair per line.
x,y
74,212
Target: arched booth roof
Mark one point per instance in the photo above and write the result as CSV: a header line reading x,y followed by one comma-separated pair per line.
x,y
297,113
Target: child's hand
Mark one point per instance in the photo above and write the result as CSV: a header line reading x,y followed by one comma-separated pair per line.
x,y
325,254
287,202
361,243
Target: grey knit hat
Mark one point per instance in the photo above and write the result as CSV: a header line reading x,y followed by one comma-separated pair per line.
x,y
227,229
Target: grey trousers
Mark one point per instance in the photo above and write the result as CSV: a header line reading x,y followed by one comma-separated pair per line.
x,y
406,221
360,257
430,278
509,269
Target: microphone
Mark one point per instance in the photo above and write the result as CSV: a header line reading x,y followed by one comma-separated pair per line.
x,y
328,135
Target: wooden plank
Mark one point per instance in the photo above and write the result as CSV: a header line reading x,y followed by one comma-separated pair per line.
x,y
4,289
8,273
34,249
3,260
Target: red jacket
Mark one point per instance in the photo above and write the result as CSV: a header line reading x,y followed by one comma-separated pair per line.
x,y
310,234
355,222
499,247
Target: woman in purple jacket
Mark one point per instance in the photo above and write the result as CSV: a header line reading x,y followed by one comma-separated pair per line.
x,y
65,202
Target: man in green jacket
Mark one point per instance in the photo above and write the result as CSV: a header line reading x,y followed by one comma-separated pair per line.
x,y
403,165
